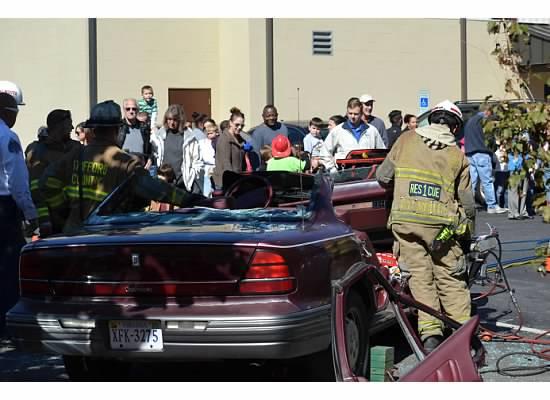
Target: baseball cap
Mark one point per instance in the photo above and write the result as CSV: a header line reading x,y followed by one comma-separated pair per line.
x,y
280,146
366,98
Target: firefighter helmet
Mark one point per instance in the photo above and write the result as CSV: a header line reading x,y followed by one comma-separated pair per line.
x,y
14,90
441,112
104,114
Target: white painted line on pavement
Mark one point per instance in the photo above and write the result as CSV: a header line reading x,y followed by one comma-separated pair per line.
x,y
523,328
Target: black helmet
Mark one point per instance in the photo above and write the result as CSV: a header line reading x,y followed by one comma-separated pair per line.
x,y
104,114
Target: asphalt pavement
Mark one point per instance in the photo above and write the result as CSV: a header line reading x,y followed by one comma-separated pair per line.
x,y
516,361
532,290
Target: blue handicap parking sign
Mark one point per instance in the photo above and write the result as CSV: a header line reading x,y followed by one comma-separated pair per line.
x,y
424,102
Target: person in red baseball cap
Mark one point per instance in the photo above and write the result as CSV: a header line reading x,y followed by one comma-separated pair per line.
x,y
282,156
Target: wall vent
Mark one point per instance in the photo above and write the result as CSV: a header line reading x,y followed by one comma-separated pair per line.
x,y
322,43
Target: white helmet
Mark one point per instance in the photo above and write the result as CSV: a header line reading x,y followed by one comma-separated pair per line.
x,y
14,90
447,107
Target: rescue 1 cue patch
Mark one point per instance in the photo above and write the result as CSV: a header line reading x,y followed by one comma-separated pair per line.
x,y
427,190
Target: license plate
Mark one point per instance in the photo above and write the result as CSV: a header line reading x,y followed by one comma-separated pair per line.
x,y
135,335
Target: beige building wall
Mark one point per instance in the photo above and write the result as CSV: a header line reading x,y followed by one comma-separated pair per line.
x,y
257,79
166,54
218,54
391,59
238,74
48,59
485,76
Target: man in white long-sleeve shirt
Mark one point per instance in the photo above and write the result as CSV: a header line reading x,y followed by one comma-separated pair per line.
x,y
353,134
15,199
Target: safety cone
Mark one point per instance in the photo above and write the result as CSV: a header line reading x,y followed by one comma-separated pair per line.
x,y
547,264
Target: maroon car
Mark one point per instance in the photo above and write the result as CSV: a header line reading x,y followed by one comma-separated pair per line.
x,y
244,276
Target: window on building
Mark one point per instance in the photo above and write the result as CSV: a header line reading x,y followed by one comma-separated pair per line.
x,y
322,43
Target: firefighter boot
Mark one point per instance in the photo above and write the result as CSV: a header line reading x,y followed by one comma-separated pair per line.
x,y
431,342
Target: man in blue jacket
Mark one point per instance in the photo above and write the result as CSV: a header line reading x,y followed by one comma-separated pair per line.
x,y
480,157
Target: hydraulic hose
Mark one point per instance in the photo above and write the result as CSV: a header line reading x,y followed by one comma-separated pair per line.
x,y
513,336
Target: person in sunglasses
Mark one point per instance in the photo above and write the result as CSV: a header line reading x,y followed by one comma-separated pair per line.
x,y
134,137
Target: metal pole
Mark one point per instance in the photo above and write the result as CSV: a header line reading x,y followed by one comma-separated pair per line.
x,y
269,60
463,61
92,60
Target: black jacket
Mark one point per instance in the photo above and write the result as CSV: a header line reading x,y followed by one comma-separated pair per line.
x,y
145,134
393,134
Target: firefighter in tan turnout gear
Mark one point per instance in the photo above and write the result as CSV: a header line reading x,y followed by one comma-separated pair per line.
x,y
432,192
39,155
85,176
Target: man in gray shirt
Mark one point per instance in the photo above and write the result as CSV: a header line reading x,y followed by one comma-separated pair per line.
x,y
134,136
368,105
266,132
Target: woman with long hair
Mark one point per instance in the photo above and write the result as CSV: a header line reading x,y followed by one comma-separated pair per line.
x,y
176,145
410,122
229,148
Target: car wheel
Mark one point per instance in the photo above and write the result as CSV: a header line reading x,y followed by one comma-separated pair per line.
x,y
81,368
357,334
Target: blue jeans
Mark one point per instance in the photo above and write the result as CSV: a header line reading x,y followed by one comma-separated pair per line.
x,y
482,169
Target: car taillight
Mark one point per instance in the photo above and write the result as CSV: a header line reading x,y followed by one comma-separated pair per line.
x,y
33,278
268,273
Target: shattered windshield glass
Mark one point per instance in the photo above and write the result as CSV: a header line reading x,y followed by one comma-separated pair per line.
x,y
202,215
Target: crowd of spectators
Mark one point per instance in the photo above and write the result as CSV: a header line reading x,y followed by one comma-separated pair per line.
x,y
198,150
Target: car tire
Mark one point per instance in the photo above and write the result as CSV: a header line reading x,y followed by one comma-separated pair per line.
x,y
82,369
357,333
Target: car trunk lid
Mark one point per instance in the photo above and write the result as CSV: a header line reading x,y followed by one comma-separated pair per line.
x,y
136,270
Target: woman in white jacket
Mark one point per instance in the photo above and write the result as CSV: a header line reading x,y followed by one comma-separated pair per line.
x,y
178,146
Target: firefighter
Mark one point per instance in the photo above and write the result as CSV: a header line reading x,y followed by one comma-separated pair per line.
x,y
86,175
432,192
42,153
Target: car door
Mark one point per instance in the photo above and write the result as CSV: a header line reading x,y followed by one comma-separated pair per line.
x,y
452,361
